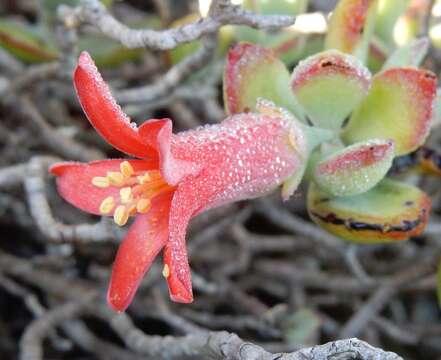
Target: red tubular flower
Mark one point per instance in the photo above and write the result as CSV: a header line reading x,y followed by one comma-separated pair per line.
x,y
180,175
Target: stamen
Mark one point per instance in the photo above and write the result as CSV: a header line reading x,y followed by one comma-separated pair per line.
x,y
142,179
126,195
107,205
121,215
126,169
155,175
143,206
132,209
115,178
100,181
166,271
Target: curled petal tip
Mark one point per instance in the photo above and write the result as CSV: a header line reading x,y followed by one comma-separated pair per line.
x,y
179,292
58,168
104,113
182,298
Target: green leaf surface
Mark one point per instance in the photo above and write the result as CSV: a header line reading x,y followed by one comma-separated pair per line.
x,y
254,72
409,55
390,211
329,85
397,107
351,27
355,169
274,7
301,327
388,13
26,43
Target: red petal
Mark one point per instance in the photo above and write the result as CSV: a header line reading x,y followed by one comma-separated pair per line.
x,y
246,156
104,113
158,134
184,205
74,181
145,239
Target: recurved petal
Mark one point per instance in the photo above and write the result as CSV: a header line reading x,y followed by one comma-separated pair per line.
x,y
145,238
329,85
355,169
158,134
104,113
398,107
390,211
74,181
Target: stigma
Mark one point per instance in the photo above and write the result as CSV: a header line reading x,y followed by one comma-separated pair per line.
x,y
136,191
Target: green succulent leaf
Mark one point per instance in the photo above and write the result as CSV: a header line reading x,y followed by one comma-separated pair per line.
x,y
329,85
253,72
390,211
409,55
289,45
49,8
397,107
25,42
388,13
301,327
274,7
355,169
351,26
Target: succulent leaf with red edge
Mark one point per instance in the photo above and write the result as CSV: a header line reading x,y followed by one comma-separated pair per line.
x,y
398,106
391,115
329,85
356,168
177,177
254,72
351,27
390,211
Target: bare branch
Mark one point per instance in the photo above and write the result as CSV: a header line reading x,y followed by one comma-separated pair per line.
x,y
222,12
31,341
173,77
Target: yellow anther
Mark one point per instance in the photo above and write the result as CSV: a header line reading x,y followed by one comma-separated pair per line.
x,y
166,271
100,181
143,206
126,169
132,209
115,178
126,195
154,175
297,141
121,215
107,205
142,179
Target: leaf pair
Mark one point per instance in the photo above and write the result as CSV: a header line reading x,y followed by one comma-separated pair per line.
x,y
388,115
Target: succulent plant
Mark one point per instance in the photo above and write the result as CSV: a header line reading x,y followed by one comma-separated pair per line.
x,y
375,118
